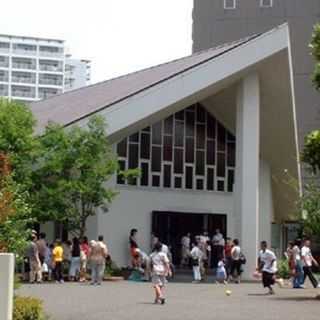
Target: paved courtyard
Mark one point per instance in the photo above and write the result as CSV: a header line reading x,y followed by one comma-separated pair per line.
x,y
127,300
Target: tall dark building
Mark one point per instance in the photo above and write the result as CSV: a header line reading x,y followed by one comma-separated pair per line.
x,y
220,21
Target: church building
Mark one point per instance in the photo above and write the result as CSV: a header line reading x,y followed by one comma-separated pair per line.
x,y
214,135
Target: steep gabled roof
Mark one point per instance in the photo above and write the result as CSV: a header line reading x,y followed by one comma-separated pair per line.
x,y
75,105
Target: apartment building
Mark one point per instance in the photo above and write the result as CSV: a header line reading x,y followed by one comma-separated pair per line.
x,y
77,73
33,68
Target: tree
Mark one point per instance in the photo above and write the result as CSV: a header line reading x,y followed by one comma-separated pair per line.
x,y
71,179
309,204
17,140
17,151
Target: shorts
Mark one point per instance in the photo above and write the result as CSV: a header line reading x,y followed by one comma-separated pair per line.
x,y
158,280
268,279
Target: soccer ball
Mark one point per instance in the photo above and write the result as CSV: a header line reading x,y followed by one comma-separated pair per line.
x,y
228,292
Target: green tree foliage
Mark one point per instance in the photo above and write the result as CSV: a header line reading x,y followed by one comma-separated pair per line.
x,y
17,146
17,139
72,176
315,50
309,204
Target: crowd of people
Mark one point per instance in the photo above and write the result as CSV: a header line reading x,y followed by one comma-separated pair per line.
x,y
301,261
221,257
73,258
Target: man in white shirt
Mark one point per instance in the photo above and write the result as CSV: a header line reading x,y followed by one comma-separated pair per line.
x,y
267,262
196,256
308,260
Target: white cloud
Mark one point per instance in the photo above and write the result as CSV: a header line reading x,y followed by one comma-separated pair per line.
x,y
119,36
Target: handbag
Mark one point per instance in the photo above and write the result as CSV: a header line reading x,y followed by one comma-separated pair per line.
x,y
242,258
195,262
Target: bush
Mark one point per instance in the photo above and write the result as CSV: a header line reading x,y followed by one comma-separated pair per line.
x,y
283,269
26,308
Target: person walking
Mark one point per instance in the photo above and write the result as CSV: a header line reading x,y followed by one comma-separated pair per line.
x,y
196,258
97,257
42,247
74,270
35,274
308,260
57,257
185,250
236,261
160,266
299,274
267,264
134,249
84,254
227,256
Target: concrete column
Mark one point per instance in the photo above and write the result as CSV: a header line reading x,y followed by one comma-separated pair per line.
x,y
266,203
247,167
6,285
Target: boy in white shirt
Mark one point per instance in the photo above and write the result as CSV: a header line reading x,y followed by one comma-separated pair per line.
x,y
308,260
267,262
160,268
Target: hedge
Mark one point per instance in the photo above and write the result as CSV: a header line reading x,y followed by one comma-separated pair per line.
x,y
26,308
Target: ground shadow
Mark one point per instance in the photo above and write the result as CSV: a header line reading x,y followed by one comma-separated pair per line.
x,y
258,294
296,299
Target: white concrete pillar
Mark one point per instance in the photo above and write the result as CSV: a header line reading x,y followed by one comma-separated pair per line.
x,y
266,203
6,285
247,167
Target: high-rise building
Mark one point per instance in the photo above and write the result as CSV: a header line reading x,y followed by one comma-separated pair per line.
x,y
35,68
77,73
219,21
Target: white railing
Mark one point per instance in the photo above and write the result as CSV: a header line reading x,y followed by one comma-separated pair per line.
x,y
28,66
23,79
50,82
45,95
44,67
56,54
25,52
18,93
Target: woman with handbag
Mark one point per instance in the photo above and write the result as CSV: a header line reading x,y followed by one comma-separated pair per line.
x,y
236,262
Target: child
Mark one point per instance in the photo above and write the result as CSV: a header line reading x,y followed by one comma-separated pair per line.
x,y
221,274
267,263
196,258
160,268
57,257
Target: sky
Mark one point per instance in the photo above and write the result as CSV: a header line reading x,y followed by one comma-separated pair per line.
x,y
118,36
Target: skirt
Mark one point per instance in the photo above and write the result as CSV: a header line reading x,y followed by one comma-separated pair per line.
x,y
268,279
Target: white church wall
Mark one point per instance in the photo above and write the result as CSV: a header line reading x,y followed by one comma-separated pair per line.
x,y
133,209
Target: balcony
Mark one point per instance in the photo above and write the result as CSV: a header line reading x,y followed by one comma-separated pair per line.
x,y
23,93
19,79
52,68
45,94
4,62
51,52
4,78
3,90
19,65
24,49
4,47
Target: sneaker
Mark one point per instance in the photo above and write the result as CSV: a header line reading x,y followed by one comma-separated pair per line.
x,y
318,286
61,281
162,300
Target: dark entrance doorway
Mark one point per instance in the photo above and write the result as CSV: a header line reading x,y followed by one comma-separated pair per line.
x,y
170,227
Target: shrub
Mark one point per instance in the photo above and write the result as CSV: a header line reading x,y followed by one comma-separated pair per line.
x,y
26,308
283,269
